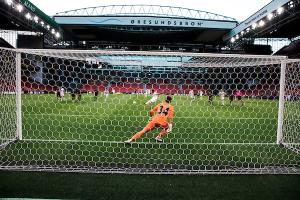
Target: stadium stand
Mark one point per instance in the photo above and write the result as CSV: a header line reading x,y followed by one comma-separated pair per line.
x,y
292,50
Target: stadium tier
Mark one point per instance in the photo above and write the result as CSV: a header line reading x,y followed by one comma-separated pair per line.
x,y
258,91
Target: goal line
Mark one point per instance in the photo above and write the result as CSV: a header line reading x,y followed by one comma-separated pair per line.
x,y
121,142
116,116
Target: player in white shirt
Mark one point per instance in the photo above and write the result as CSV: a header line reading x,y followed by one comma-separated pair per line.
x,y
222,97
200,94
62,93
106,93
147,92
192,95
153,98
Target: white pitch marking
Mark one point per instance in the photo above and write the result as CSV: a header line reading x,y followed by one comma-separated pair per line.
x,y
116,116
121,142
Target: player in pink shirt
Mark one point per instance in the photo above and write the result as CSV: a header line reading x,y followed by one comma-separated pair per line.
x,y
238,95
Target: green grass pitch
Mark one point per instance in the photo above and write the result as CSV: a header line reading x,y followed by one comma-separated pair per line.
x,y
90,134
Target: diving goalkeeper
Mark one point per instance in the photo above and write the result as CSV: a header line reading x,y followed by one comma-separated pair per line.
x,y
161,117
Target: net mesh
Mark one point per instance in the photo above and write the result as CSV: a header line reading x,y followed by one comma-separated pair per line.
x,y
78,108
291,129
7,97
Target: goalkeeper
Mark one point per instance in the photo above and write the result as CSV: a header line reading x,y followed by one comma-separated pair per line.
x,y
161,117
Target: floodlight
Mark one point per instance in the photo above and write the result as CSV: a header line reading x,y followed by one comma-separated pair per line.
x,y
36,19
9,2
19,7
57,35
280,10
291,4
28,16
254,25
261,23
270,16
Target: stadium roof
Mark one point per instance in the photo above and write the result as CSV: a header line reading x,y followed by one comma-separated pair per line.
x,y
278,19
145,10
145,23
22,15
142,25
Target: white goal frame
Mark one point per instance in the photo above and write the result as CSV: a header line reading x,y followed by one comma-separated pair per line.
x,y
236,60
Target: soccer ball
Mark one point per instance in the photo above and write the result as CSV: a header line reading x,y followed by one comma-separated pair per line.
x,y
134,102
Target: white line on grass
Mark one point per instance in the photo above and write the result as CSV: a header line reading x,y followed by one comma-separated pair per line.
x,y
120,142
116,116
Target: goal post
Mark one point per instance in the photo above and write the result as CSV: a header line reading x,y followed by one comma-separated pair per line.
x,y
18,97
72,110
281,102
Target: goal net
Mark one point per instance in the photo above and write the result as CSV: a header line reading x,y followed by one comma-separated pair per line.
x,y
8,111
291,112
78,107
